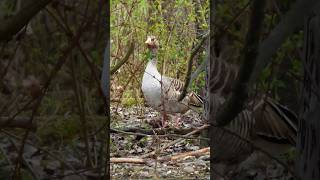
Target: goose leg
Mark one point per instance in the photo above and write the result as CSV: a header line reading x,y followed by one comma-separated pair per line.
x,y
160,122
177,121
164,122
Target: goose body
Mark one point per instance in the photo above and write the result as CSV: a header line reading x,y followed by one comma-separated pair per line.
x,y
162,92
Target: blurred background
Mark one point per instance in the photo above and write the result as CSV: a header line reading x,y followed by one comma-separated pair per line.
x,y
51,111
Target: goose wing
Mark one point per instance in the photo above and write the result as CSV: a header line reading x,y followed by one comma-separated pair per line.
x,y
173,88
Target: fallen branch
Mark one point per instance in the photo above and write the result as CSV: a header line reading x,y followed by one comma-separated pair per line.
x,y
161,159
156,132
185,154
128,160
17,122
176,141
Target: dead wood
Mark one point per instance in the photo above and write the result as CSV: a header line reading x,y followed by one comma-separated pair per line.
x,y
128,160
176,141
17,122
186,154
161,159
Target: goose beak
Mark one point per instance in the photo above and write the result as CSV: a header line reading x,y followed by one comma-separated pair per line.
x,y
147,42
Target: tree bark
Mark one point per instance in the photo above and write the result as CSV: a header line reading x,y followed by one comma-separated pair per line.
x,y
308,144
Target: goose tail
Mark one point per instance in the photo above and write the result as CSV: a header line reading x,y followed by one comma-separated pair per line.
x,y
195,100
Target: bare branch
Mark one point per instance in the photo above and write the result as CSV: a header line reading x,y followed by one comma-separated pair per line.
x,y
293,19
13,25
176,141
185,154
17,122
199,70
161,159
128,160
188,77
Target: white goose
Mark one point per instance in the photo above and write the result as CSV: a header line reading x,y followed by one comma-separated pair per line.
x,y
161,92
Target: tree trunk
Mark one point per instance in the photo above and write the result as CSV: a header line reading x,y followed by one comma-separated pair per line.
x,y
308,143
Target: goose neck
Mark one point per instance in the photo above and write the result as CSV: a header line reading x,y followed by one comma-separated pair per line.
x,y
154,53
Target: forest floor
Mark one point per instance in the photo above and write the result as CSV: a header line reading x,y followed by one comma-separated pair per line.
x,y
139,164
160,165
63,155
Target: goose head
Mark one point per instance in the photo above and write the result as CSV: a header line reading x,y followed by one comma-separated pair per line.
x,y
152,43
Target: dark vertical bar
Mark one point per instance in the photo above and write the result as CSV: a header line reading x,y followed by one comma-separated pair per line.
x,y
105,83
209,66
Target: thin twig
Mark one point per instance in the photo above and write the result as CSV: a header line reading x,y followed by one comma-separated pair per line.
x,y
176,141
128,160
185,154
161,159
159,135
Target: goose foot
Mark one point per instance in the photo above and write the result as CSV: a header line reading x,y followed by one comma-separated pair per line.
x,y
159,122
164,121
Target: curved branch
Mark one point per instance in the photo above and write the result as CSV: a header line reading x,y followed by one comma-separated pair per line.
x,y
188,77
124,60
199,69
13,25
293,19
